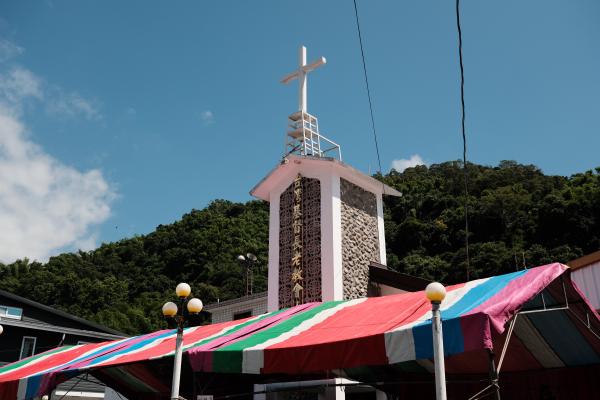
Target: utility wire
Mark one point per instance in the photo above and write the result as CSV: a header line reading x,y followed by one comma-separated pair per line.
x,y
464,136
364,63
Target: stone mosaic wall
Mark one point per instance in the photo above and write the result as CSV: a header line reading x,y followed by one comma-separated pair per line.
x,y
360,238
310,206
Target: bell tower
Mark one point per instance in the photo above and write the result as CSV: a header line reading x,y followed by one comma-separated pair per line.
x,y
325,219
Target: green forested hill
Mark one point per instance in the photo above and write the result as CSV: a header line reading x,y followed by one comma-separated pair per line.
x,y
517,214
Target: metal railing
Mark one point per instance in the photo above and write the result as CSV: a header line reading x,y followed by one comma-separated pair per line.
x,y
303,138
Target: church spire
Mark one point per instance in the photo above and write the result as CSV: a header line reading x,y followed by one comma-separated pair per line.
x,y
304,138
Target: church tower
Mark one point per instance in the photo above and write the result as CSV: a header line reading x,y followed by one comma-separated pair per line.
x,y
326,218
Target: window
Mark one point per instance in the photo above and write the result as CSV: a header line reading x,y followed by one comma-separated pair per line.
x,y
241,315
11,312
27,347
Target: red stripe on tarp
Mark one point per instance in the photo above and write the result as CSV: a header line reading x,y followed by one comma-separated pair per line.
x,y
361,327
201,357
53,361
168,345
113,350
475,329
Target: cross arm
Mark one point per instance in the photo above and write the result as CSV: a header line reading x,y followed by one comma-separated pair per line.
x,y
314,65
289,77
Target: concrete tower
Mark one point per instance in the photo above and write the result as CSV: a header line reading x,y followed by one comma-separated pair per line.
x,y
326,218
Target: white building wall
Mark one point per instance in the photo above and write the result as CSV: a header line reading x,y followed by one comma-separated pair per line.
x,y
273,271
587,280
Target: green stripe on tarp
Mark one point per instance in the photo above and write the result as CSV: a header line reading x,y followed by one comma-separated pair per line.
x,y
235,328
25,361
230,358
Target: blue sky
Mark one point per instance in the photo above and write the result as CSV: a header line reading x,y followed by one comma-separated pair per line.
x,y
140,111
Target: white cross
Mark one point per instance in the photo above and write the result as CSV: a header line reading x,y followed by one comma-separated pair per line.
x,y
301,73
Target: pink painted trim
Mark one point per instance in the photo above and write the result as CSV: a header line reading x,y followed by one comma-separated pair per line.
x,y
503,305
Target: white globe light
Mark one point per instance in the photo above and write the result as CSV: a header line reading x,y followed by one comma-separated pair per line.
x,y
435,291
169,309
194,306
1,329
183,290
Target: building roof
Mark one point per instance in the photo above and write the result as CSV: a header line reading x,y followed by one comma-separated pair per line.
x,y
95,328
291,165
585,260
378,273
254,296
381,274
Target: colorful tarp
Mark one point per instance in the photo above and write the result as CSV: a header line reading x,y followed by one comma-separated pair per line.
x,y
349,335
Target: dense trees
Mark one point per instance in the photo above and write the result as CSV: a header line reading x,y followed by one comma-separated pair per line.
x,y
517,215
124,284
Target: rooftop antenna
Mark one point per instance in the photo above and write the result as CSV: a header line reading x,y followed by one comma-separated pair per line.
x,y
303,138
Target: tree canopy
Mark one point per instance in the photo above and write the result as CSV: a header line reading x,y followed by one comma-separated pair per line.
x,y
517,216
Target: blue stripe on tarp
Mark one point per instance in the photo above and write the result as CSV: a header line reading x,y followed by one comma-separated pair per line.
x,y
33,384
130,348
84,357
480,294
453,338
561,334
452,330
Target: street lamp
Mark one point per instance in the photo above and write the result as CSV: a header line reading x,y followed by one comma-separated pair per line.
x,y
436,292
177,316
249,260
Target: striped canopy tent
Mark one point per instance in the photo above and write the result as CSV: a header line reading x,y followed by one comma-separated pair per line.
x,y
535,321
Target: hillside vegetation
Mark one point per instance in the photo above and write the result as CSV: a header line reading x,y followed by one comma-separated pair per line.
x,y
517,216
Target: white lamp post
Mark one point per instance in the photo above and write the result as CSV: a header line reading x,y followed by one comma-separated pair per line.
x,y
436,292
248,261
174,313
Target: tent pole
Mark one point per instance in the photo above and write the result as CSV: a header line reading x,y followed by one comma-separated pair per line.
x,y
493,375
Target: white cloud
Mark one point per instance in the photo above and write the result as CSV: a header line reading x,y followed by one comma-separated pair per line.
x,y
207,117
401,164
45,205
16,85
9,50
71,105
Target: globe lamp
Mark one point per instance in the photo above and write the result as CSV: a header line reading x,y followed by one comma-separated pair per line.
x,y
183,290
194,306
435,292
169,309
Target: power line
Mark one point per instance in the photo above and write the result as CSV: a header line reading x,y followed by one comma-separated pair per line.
x,y
362,53
464,136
